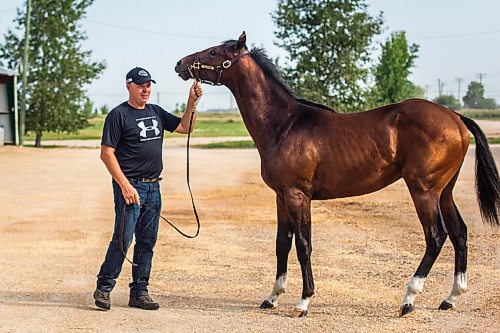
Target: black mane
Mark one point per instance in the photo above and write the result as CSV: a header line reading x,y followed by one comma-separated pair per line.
x,y
260,57
270,70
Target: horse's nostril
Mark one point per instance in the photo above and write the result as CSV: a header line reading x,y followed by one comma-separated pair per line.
x,y
179,62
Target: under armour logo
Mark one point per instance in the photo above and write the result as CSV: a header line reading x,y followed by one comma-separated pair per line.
x,y
145,128
143,73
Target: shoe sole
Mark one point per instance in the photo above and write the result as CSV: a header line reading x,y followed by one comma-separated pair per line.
x,y
144,308
102,305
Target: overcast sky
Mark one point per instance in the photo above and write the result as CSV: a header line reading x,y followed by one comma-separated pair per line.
x,y
457,38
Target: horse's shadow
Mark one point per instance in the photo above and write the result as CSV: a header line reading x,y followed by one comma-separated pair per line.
x,y
206,303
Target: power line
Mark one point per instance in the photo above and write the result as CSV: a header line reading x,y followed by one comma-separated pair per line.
x,y
148,30
158,32
7,10
469,34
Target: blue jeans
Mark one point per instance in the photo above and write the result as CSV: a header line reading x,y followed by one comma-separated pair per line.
x,y
144,223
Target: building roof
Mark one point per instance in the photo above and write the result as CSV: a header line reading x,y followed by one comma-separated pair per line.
x,y
7,72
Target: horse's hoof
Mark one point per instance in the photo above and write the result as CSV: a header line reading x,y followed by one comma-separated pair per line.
x,y
445,305
299,313
267,305
405,309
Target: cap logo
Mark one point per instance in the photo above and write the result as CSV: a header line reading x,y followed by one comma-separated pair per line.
x,y
143,73
129,80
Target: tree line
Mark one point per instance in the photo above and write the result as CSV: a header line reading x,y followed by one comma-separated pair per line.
x,y
329,44
58,70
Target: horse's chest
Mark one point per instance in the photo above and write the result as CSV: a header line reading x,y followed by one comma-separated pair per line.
x,y
280,172
269,176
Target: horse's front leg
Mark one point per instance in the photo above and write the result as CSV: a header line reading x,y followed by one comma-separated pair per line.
x,y
283,246
299,209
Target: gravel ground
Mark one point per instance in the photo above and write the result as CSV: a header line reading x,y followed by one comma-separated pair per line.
x,y
56,223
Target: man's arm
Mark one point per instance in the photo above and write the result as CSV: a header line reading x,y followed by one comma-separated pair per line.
x,y
129,192
194,94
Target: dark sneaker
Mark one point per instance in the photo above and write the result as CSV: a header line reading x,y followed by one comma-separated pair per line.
x,y
102,299
143,302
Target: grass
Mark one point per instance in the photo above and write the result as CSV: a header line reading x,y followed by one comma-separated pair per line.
x,y
208,124
241,144
218,127
94,131
223,124
481,114
491,141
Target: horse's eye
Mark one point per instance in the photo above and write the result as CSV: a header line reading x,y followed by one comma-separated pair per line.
x,y
213,53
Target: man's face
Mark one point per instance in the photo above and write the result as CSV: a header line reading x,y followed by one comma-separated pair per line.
x,y
139,93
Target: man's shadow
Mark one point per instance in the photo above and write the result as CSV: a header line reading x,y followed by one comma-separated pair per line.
x,y
75,300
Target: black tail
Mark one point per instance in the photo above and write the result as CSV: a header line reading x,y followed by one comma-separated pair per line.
x,y
487,180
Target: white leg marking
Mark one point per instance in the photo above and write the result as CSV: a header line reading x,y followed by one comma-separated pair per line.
x,y
301,308
303,304
414,288
459,287
278,289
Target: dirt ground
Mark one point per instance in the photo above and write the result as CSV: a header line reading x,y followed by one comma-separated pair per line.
x,y
57,216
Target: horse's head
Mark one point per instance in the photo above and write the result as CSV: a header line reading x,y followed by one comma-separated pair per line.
x,y
208,65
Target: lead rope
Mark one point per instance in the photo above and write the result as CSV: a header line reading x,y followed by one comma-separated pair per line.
x,y
122,222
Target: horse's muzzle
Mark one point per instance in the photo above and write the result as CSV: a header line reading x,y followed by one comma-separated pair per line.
x,y
182,71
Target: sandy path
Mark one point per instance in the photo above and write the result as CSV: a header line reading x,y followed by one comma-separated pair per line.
x,y
57,217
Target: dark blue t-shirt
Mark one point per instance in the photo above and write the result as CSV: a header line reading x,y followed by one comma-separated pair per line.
x,y
137,136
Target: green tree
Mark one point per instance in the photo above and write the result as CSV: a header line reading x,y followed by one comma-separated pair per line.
x,y
59,70
104,110
391,73
448,101
419,92
88,107
474,98
489,103
328,49
474,95
179,108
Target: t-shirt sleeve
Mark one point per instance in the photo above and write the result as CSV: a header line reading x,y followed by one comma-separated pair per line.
x,y
112,130
170,121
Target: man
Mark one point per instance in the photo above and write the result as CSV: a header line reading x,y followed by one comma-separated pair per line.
x,y
131,149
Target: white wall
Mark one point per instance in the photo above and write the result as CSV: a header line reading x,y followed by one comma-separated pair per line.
x,y
5,120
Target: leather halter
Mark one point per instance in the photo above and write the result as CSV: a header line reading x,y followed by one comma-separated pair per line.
x,y
197,65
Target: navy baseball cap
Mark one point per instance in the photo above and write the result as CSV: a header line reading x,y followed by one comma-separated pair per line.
x,y
139,76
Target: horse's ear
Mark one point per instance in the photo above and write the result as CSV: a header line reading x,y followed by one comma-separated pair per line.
x,y
241,41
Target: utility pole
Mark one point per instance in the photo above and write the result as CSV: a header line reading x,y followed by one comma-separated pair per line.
x,y
459,80
440,87
22,109
481,75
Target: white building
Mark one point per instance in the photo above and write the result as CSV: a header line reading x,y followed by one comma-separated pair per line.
x,y
9,116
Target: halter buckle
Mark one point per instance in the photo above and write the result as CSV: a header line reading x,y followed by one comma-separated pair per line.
x,y
226,64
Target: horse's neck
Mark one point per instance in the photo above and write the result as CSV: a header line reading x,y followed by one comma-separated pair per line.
x,y
264,106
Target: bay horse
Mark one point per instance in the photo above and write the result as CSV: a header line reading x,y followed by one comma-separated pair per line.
x,y
310,152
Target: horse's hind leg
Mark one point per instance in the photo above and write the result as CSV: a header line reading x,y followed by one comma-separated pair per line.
x,y
458,236
299,209
283,246
429,213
